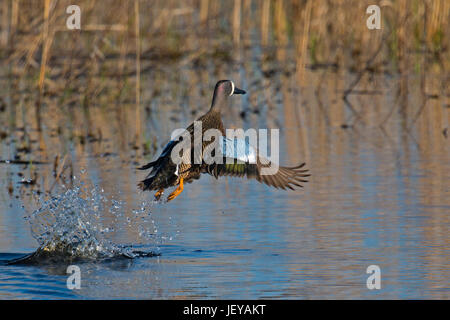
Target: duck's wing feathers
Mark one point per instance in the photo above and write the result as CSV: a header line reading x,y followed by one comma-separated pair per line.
x,y
240,159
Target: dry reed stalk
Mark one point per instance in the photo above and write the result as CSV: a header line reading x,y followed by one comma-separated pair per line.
x,y
45,39
46,44
138,72
4,35
14,14
402,37
281,29
265,21
281,23
436,9
14,22
237,22
303,44
204,6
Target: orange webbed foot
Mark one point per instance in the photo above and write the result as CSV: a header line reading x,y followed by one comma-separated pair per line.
x,y
158,194
176,192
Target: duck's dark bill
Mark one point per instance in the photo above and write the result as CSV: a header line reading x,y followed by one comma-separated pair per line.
x,y
238,91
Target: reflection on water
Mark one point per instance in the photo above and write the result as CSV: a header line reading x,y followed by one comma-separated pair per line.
x,y
379,191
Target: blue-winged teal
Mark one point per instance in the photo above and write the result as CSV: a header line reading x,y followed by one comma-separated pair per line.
x,y
165,173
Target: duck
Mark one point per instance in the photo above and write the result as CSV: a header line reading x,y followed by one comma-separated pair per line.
x,y
241,159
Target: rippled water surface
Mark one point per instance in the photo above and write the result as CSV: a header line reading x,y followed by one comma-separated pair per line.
x,y
379,194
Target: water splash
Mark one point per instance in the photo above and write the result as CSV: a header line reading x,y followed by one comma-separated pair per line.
x,y
71,225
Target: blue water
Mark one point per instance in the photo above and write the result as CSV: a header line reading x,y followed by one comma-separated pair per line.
x,y
241,240
375,197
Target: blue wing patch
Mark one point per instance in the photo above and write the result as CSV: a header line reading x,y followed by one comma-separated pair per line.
x,y
238,149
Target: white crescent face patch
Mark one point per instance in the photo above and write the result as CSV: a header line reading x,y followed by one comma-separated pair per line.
x,y
232,88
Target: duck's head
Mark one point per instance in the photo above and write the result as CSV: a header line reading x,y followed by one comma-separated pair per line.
x,y
222,92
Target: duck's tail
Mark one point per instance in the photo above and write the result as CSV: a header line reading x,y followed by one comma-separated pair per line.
x,y
146,184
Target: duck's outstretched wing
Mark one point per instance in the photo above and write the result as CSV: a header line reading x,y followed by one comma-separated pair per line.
x,y
242,160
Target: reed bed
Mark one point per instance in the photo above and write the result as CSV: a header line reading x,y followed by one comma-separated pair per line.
x,y
34,37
